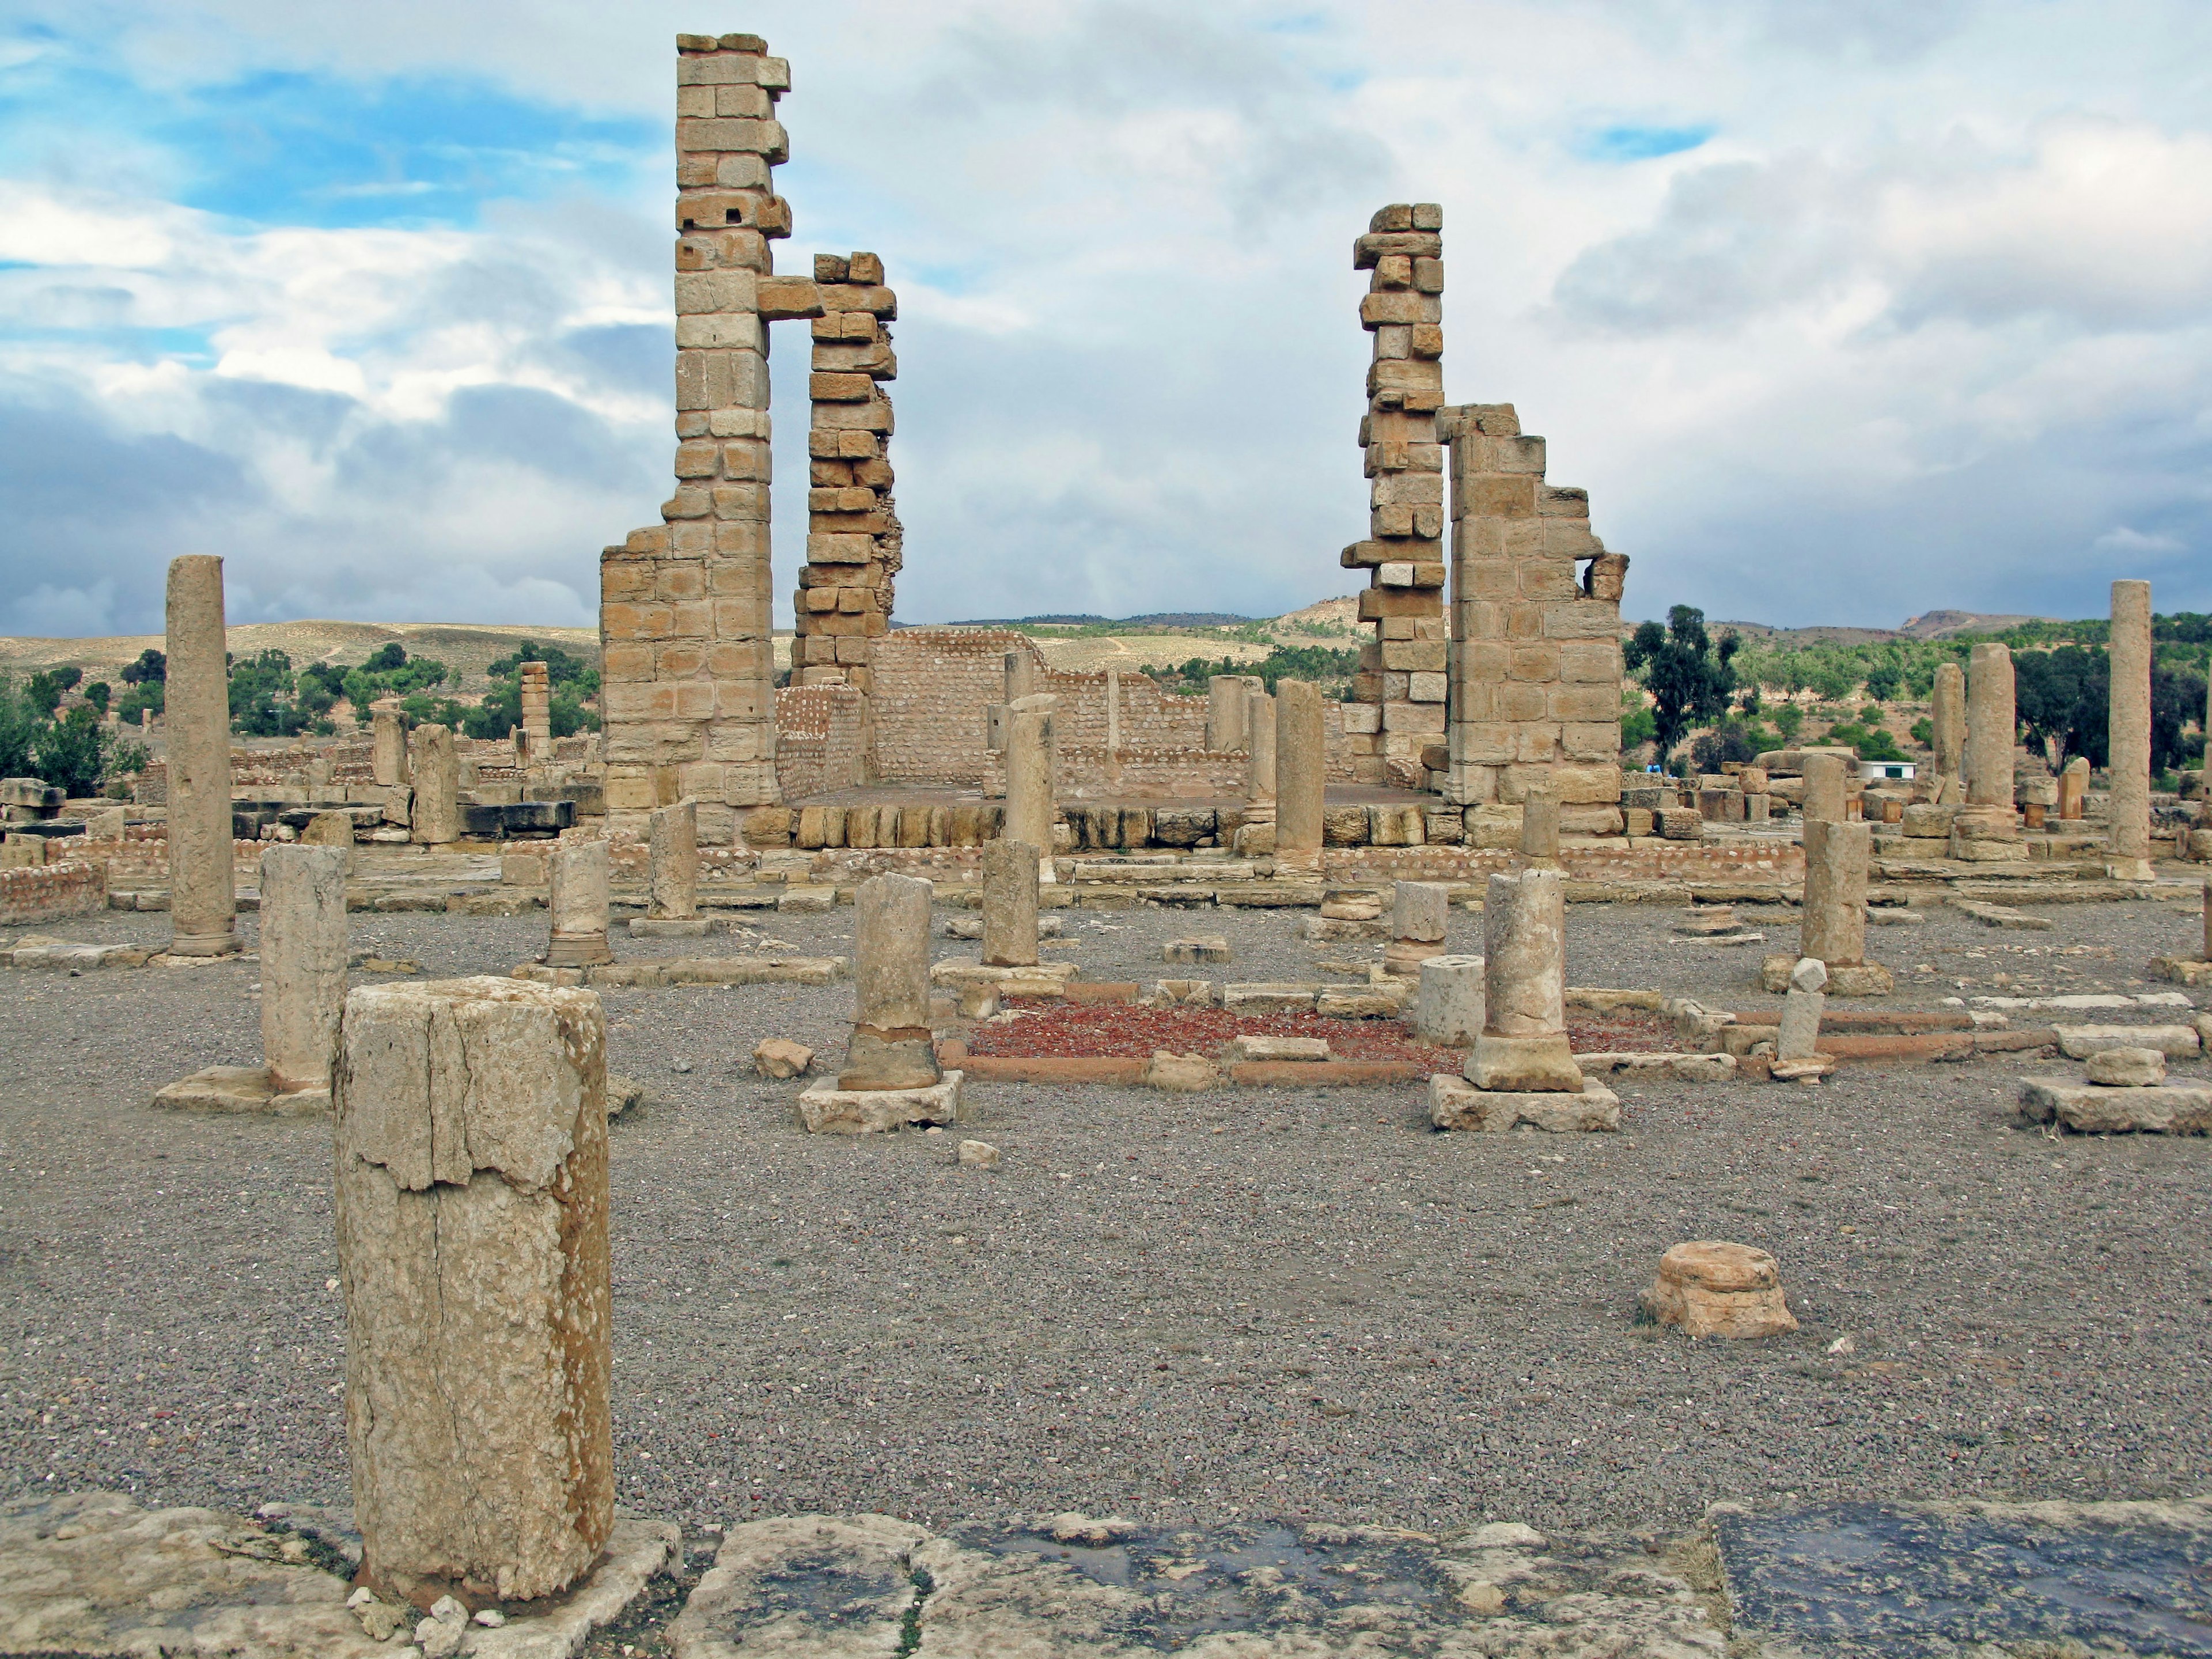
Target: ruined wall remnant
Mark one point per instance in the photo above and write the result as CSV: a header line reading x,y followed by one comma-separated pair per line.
x,y
1401,686
689,697
1535,647
853,538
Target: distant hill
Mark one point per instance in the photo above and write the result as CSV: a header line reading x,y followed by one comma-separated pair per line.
x,y
468,646
1152,619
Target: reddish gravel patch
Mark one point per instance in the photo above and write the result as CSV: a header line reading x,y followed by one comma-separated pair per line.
x,y
1126,1031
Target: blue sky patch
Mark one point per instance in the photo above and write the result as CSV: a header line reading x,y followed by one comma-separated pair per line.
x,y
1639,144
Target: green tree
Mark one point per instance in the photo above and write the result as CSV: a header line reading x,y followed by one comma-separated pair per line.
x,y
1687,674
152,667
97,694
72,752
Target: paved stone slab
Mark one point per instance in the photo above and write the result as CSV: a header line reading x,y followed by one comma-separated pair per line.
x,y
2172,1108
823,1108
1914,1579
1456,1104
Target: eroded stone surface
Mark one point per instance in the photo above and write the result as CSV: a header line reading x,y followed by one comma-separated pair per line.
x,y
2170,1108
823,1108
1710,1287
1456,1104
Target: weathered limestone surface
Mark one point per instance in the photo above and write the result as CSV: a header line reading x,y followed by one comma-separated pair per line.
x,y
472,1249
1523,1045
1540,829
672,867
2073,787
431,761
576,905
1301,772
1225,700
303,963
388,759
2172,1108
533,736
1990,727
890,1047
1827,790
2129,811
203,899
1448,1007
1456,1104
1712,1288
1802,1004
1010,904
1260,736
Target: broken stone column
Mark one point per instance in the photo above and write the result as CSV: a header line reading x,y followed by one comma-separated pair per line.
x,y
472,1149
1826,788
303,963
1030,783
436,818
1420,911
202,897
672,852
1301,773
389,757
1540,831
1226,698
1946,713
1260,764
891,1048
576,903
1010,904
2128,849
533,736
1713,1288
1837,858
1449,1007
1802,1006
2074,788
1523,1045
1991,726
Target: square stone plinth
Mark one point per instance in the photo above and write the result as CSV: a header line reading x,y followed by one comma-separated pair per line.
x,y
826,1109
1456,1104
2171,1109
240,1089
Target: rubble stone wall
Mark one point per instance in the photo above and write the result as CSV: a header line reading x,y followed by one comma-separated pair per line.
x,y
48,892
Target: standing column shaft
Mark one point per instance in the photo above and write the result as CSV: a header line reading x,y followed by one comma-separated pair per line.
x,y
1826,788
2129,726
1946,713
1224,714
1029,771
891,1048
1523,1042
1260,762
471,1141
1837,858
389,754
672,848
1990,724
576,903
1540,831
1301,769
303,963
436,816
1010,904
203,896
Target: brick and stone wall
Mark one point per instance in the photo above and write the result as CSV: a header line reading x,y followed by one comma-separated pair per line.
x,y
821,739
48,892
1535,649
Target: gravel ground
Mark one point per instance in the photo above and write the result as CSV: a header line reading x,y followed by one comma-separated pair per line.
x,y
1182,1308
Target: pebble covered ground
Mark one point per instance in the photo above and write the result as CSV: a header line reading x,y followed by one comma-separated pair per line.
x,y
1248,1302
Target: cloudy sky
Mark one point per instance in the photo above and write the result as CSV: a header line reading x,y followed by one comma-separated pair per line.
x,y
1841,312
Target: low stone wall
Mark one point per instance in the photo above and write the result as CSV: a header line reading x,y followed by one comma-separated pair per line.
x,y
47,892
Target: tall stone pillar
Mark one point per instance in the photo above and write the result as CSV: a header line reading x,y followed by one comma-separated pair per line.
x,y
471,1141
1399,690
1226,698
203,896
436,816
1260,768
672,869
1030,783
389,754
855,544
576,905
533,736
1523,1045
303,963
1827,789
688,665
1837,859
1991,727
1946,713
890,1047
1301,773
2128,850
1010,904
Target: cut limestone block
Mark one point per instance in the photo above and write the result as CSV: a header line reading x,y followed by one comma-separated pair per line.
x,y
2001,916
2080,1042
1845,978
823,1108
1454,1104
1449,1007
1712,1288
1212,947
472,1152
2173,1109
779,1057
1183,1074
1269,998
2182,971
240,1089
1642,1066
1385,1001
2126,1068
1251,1047
1332,930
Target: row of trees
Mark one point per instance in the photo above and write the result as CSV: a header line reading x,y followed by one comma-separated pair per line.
x,y
1330,668
69,747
